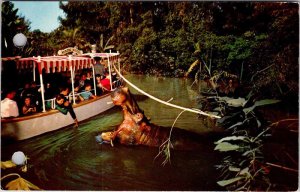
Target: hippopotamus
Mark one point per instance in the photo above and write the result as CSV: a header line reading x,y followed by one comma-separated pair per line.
x,y
136,128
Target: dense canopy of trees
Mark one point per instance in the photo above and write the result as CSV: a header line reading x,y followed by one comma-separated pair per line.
x,y
258,41
12,24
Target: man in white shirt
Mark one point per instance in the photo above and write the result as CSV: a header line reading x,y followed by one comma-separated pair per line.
x,y
9,107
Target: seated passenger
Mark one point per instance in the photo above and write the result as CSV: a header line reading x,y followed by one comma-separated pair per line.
x,y
82,81
64,91
78,97
25,91
65,106
28,108
35,95
9,107
105,83
50,91
98,85
89,78
86,95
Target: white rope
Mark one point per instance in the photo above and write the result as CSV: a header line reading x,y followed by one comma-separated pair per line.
x,y
164,102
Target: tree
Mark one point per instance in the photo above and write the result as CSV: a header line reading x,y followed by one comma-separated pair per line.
x,y
12,24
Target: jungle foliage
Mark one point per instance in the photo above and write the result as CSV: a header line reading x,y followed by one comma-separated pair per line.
x,y
258,42
244,167
165,38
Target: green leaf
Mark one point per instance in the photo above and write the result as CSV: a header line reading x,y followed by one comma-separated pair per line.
x,y
247,152
229,181
236,102
247,110
244,171
235,169
235,125
266,102
260,103
226,147
231,138
258,123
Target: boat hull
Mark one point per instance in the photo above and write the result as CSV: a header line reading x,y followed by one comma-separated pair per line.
x,y
30,126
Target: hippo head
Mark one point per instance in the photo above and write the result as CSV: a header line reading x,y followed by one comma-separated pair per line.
x,y
123,97
119,96
135,123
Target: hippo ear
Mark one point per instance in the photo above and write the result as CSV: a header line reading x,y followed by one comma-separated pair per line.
x,y
125,89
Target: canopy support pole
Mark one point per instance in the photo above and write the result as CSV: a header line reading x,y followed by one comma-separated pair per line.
x,y
42,92
33,70
94,80
72,80
42,86
109,70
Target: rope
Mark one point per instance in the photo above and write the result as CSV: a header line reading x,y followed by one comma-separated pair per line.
x,y
164,102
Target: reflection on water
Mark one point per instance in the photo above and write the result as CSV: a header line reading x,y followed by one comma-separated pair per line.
x,y
70,159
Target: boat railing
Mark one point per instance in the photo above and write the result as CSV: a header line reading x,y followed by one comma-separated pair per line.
x,y
52,102
68,97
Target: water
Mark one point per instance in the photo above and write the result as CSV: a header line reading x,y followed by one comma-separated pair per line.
x,y
70,159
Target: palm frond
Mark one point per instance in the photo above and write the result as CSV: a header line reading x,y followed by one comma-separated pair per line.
x,y
192,67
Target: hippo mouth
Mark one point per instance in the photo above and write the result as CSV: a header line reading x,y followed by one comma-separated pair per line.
x,y
105,138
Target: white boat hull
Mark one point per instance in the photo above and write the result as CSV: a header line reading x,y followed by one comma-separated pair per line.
x,y
27,127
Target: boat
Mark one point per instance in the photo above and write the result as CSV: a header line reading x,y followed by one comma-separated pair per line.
x,y
25,127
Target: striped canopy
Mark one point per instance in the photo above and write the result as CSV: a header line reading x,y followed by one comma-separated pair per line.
x,y
61,63
56,63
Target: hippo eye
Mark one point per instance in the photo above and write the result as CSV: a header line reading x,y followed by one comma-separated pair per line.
x,y
116,97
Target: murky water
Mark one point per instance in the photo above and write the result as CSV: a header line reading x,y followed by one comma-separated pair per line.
x,y
70,159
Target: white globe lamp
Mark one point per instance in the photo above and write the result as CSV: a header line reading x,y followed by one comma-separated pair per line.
x,y
20,40
18,158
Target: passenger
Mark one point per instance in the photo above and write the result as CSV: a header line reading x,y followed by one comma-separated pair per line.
x,y
99,67
86,95
28,108
78,97
105,83
114,79
89,78
99,90
65,106
9,107
65,91
82,81
25,91
35,95
77,78
50,91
